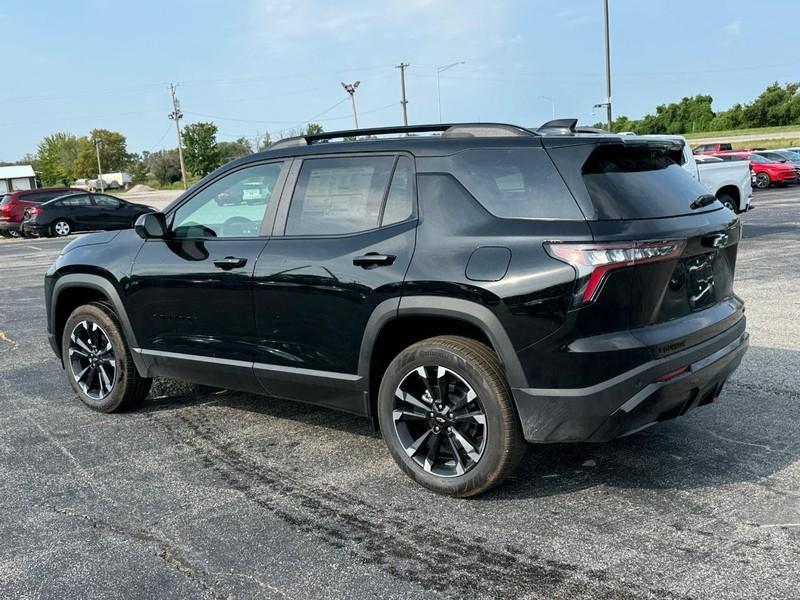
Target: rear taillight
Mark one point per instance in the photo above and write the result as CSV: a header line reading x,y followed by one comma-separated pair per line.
x,y
594,261
34,210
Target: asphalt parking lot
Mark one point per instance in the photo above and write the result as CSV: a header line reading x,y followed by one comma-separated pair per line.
x,y
213,494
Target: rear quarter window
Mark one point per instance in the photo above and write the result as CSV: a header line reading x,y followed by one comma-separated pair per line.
x,y
516,183
639,183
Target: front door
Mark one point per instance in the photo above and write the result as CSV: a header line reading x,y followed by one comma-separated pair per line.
x,y
342,246
190,294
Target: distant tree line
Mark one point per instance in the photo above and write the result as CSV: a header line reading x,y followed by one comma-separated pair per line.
x,y
61,157
776,106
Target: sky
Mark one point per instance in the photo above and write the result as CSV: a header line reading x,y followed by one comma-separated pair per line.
x,y
252,66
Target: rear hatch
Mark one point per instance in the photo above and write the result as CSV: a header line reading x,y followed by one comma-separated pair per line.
x,y
662,261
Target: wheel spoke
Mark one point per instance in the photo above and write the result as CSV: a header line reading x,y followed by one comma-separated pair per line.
x,y
478,417
409,399
80,343
423,374
78,352
414,448
80,375
456,456
471,451
433,453
408,415
444,392
105,382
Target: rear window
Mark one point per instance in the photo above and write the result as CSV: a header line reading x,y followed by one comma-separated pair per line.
x,y
42,196
518,183
6,199
639,183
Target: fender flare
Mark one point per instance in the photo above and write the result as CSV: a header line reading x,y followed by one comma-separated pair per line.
x,y
107,288
463,310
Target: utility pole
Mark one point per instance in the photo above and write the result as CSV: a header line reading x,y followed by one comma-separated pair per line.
x,y
440,70
402,66
99,168
350,88
176,115
608,69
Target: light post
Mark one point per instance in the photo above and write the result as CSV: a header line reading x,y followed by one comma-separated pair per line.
x,y
552,104
99,168
608,69
350,88
439,71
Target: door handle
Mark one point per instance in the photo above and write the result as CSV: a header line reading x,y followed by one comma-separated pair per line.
x,y
373,259
230,262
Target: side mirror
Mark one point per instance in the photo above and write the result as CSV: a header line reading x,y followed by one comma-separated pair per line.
x,y
151,225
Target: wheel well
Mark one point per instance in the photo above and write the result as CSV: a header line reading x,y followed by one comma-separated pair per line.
x,y
729,190
70,299
400,333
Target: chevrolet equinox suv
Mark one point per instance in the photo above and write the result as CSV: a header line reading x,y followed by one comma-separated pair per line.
x,y
468,291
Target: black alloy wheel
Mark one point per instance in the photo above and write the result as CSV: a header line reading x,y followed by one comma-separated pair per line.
x,y
439,421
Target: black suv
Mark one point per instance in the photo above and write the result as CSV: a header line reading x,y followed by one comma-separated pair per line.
x,y
467,290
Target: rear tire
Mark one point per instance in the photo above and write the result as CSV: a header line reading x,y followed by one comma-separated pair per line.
x,y
61,228
454,430
98,361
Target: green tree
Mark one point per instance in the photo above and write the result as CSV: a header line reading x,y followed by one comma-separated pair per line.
x,y
200,150
314,129
164,165
114,154
57,155
229,151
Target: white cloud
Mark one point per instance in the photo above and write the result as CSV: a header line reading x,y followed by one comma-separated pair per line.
x,y
733,29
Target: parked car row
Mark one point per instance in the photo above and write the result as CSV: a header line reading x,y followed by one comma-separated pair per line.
x,y
768,167
61,211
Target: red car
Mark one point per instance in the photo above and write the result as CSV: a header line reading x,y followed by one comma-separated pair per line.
x,y
13,205
766,172
712,148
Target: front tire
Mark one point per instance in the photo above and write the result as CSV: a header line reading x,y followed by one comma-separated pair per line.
x,y
763,181
61,228
728,202
447,417
98,361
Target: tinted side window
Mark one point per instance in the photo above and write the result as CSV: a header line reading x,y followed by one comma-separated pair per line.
x,y
338,195
640,183
106,201
80,200
233,206
401,193
515,183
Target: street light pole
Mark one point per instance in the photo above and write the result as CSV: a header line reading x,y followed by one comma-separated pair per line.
x,y
440,70
350,88
608,69
552,104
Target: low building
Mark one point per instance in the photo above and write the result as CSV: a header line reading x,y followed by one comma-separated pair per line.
x,y
17,177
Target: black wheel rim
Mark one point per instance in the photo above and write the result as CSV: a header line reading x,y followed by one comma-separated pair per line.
x,y
92,360
762,180
439,421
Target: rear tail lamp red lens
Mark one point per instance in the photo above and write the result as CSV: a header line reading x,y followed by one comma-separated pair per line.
x,y
594,261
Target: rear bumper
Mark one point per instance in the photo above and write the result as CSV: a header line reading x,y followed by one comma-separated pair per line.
x,y
10,226
33,229
635,399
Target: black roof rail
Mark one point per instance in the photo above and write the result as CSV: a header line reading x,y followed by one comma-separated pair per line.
x,y
446,129
559,127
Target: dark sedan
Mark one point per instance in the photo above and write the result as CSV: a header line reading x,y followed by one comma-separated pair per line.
x,y
81,212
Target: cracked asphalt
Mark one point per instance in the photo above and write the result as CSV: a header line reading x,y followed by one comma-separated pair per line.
x,y
205,493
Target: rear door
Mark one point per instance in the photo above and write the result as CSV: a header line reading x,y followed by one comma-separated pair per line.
x,y
343,242
78,210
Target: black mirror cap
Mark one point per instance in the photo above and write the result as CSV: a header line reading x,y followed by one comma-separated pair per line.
x,y
151,225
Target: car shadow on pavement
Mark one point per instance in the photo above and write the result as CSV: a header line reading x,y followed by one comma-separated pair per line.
x,y
750,433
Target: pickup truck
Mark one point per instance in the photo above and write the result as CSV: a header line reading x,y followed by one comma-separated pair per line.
x,y
729,181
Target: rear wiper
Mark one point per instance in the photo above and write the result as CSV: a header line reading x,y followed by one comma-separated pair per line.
x,y
702,200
